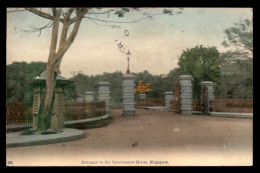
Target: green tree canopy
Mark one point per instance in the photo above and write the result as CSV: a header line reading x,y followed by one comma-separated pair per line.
x,y
240,37
237,63
18,74
201,63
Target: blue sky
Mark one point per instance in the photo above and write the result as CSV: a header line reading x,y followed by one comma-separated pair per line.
x,y
154,44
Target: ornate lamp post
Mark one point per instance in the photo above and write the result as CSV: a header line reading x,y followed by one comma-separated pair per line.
x,y
128,85
128,58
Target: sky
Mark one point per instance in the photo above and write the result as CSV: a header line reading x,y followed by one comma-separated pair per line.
x,y
155,44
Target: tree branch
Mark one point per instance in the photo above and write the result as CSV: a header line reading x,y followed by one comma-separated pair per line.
x,y
101,12
54,11
54,36
35,29
80,13
65,28
123,22
76,26
75,18
63,38
40,13
15,11
113,26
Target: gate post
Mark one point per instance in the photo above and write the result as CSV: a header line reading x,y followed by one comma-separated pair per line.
x,y
169,95
79,98
207,86
104,94
128,95
89,96
186,94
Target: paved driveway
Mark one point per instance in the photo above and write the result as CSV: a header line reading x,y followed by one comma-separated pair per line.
x,y
151,138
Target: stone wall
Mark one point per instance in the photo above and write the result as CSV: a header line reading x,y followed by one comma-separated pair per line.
x,y
196,105
169,95
150,102
16,113
233,105
84,110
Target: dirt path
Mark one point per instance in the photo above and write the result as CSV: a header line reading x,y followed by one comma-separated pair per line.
x,y
151,138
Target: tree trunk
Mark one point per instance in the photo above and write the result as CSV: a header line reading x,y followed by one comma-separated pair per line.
x,y
55,57
45,111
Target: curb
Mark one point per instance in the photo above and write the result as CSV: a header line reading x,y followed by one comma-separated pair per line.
x,y
226,114
21,143
20,127
86,120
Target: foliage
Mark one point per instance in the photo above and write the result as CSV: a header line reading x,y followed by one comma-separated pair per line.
x,y
165,11
15,82
202,64
236,80
142,88
240,36
160,83
18,74
83,83
237,65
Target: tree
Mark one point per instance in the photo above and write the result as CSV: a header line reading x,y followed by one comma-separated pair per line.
x,y
202,64
15,82
172,76
236,81
237,64
18,74
68,17
240,37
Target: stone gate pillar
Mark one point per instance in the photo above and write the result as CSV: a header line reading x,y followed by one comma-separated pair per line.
x,y
186,94
79,98
128,95
210,95
169,95
104,94
39,91
89,96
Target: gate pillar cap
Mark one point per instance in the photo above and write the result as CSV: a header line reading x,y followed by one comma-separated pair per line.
x,y
89,92
185,77
104,84
169,93
128,76
209,83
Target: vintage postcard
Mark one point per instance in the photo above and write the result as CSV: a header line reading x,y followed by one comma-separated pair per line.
x,y
129,87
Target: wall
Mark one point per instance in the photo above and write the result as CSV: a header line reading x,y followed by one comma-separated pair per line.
x,y
233,105
84,110
16,113
150,102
